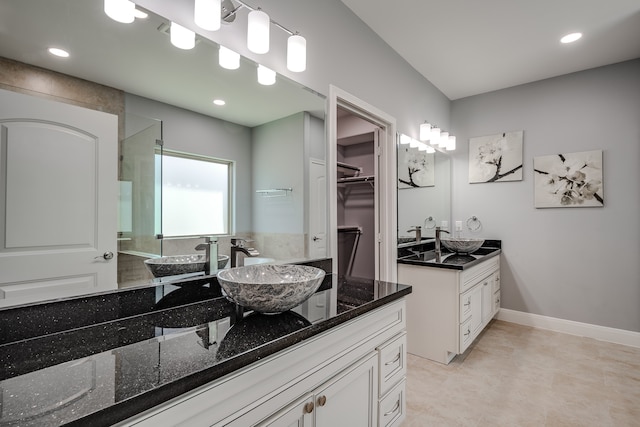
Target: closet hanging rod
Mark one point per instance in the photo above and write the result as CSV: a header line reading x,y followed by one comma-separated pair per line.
x,y
356,179
350,167
349,229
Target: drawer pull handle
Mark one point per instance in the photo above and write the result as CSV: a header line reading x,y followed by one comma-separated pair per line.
x,y
394,361
468,303
468,332
395,408
322,400
308,408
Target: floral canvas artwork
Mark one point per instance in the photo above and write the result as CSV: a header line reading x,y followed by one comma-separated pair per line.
x,y
569,180
496,158
415,168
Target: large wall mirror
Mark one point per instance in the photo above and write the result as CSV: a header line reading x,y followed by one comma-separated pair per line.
x,y
272,136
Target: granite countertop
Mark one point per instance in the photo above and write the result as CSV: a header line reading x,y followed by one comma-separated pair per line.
x,y
424,254
100,359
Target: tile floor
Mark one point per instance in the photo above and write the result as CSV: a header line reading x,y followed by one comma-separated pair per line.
x,y
515,375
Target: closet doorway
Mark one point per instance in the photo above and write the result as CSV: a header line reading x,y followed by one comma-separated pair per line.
x,y
362,196
357,167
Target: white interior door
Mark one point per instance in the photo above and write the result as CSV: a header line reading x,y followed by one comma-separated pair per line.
x,y
58,199
317,236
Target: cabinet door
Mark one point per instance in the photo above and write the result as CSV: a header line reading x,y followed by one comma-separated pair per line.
x,y
487,299
298,414
351,398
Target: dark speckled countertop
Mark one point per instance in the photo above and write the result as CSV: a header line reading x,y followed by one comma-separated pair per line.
x,y
423,254
100,359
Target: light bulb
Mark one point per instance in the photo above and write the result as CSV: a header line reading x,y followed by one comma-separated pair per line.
x,y
120,10
452,143
435,135
296,53
182,37
266,76
207,14
444,139
228,59
258,31
425,131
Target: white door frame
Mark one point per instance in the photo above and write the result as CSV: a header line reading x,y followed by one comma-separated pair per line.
x,y
387,216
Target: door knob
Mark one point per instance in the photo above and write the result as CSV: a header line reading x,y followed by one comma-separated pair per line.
x,y
107,255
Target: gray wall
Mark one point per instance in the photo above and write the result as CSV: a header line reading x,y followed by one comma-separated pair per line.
x,y
578,264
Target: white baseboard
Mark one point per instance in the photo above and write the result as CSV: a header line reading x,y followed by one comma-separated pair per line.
x,y
602,333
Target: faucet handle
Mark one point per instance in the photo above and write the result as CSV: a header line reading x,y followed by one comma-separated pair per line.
x,y
240,241
210,239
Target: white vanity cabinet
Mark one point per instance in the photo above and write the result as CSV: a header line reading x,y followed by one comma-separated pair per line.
x,y
449,308
351,374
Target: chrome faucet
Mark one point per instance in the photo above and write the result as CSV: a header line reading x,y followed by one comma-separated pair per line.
x,y
210,247
418,231
438,249
237,245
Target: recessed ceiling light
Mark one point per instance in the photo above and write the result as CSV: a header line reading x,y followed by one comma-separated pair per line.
x,y
140,14
570,38
219,102
58,52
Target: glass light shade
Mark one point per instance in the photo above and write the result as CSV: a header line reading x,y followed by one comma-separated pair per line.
x,y
182,37
444,139
413,143
404,139
435,136
207,14
422,146
451,145
120,10
296,53
430,149
266,76
258,31
425,131
228,59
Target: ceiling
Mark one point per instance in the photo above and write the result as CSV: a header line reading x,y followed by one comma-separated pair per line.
x,y
468,47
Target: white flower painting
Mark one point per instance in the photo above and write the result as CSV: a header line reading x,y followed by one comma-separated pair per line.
x,y
569,180
496,158
415,168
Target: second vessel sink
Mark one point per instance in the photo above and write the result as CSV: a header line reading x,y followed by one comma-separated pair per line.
x,y
269,288
462,245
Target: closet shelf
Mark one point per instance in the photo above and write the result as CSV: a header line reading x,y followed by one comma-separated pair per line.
x,y
275,192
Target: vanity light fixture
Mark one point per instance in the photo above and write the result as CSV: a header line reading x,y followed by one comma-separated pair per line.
x,y
58,52
570,38
207,14
435,136
228,59
182,37
405,139
266,76
425,131
120,10
258,31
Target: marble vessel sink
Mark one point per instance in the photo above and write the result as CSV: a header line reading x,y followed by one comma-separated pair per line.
x,y
268,288
180,264
461,245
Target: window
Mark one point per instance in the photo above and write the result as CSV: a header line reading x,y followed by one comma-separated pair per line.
x,y
195,195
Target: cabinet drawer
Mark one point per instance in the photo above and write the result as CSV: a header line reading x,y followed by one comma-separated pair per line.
x,y
496,281
392,360
392,408
466,334
465,306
